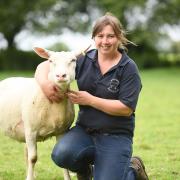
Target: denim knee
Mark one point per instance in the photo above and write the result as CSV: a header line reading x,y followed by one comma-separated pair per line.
x,y
74,149
61,156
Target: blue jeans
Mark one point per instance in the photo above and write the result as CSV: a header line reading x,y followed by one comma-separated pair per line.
x,y
110,154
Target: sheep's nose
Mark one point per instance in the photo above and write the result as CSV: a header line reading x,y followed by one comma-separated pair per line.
x,y
61,77
64,75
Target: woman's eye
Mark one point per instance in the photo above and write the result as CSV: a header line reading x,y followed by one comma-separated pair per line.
x,y
99,36
111,36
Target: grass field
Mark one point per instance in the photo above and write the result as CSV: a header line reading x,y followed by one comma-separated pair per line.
x,y
157,138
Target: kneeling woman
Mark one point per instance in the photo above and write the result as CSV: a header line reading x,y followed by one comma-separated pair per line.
x,y
109,85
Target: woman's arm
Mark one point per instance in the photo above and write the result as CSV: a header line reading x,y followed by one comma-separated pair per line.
x,y
112,107
49,88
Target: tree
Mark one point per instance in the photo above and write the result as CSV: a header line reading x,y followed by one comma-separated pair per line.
x,y
144,17
146,20
41,15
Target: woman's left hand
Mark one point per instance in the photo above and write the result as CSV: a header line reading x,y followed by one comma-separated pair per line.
x,y
80,97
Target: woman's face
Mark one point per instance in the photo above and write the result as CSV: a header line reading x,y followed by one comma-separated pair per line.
x,y
106,41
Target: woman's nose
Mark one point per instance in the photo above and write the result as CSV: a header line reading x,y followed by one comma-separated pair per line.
x,y
105,40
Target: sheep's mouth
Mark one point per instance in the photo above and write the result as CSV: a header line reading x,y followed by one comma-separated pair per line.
x,y
62,82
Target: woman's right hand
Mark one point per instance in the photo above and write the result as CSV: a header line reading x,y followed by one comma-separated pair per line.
x,y
52,92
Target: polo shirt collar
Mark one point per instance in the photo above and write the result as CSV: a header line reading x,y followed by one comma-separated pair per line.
x,y
124,59
92,54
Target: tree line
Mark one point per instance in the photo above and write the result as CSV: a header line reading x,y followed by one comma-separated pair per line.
x,y
146,22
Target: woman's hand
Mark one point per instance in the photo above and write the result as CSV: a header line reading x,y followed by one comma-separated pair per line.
x,y
109,106
80,97
52,92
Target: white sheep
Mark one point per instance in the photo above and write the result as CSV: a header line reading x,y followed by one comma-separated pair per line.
x,y
28,116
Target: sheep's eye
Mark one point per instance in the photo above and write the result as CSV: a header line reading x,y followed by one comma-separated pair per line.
x,y
73,60
52,62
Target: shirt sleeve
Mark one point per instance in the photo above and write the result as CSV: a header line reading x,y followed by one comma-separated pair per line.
x,y
130,86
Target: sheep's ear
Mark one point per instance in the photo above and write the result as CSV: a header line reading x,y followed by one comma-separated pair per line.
x,y
81,52
44,53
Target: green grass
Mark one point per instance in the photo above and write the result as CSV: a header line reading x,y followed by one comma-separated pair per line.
x,y
156,140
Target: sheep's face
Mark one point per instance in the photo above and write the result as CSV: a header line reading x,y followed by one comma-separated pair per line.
x,y
62,67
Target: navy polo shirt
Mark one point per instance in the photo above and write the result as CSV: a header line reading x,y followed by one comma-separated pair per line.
x,y
122,82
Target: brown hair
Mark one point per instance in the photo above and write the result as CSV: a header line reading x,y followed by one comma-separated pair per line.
x,y
110,19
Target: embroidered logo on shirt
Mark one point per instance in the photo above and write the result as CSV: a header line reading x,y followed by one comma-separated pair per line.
x,y
113,86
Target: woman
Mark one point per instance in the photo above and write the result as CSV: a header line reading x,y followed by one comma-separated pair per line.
x,y
109,86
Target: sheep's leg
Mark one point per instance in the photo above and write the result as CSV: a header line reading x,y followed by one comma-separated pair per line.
x,y
65,171
31,154
66,174
26,156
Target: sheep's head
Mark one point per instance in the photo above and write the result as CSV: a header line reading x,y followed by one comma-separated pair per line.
x,y
62,65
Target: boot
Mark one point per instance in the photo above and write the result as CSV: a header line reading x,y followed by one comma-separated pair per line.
x,y
87,175
139,168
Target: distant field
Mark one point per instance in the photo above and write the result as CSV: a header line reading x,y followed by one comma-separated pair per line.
x,y
157,138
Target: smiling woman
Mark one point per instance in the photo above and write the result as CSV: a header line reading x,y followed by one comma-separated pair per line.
x,y
107,44
109,86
